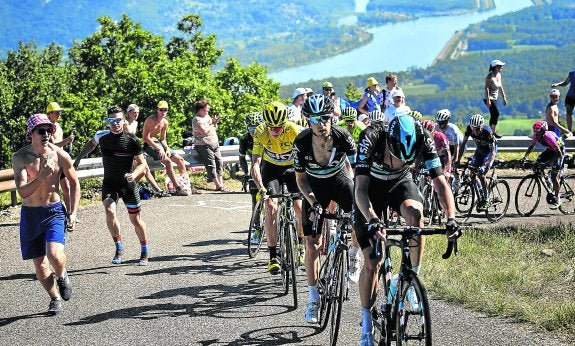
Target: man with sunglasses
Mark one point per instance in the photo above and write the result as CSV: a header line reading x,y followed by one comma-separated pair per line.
x,y
350,123
324,155
155,134
44,220
552,115
383,178
454,136
121,151
272,167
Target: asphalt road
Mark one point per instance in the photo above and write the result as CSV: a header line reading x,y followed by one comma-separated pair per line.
x,y
199,289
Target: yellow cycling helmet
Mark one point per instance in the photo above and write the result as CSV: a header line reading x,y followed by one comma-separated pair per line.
x,y
417,115
349,113
275,114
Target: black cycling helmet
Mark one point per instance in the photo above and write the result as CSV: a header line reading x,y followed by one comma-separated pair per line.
x,y
405,137
317,104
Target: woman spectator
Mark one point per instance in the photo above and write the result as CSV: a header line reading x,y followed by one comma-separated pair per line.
x,y
206,143
494,84
372,97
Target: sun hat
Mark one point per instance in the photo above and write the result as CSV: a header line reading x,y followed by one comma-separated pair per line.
x,y
327,85
299,91
52,107
162,104
497,62
555,92
135,106
397,92
371,81
37,120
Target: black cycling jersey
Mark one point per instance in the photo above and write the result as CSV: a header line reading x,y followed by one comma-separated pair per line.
x,y
246,144
343,145
118,152
371,149
484,140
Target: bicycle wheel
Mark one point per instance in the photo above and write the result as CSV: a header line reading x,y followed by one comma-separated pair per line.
x,y
324,287
290,259
465,198
282,248
528,195
412,319
498,200
427,193
567,195
338,276
257,223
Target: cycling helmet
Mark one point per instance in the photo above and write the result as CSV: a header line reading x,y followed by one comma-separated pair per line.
x,y
317,104
476,120
275,114
417,115
376,115
405,137
429,125
349,113
253,119
539,125
302,122
442,115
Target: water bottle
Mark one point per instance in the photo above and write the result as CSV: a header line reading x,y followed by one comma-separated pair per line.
x,y
392,287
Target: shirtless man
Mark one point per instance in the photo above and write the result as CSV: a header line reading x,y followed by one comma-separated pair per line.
x,y
155,145
44,220
552,114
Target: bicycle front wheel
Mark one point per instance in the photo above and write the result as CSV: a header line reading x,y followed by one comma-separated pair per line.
x,y
528,195
567,195
338,287
465,198
412,320
498,200
256,230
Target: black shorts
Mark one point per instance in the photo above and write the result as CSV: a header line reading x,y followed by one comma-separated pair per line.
x,y
382,194
338,188
551,158
274,176
131,197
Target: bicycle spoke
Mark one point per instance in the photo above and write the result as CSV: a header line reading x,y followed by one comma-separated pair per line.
x,y
528,195
567,195
413,320
498,201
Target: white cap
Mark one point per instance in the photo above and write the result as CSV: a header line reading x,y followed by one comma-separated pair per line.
x,y
555,92
132,107
308,90
299,91
362,117
397,92
497,62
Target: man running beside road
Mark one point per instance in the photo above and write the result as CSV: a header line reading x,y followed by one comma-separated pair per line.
x,y
383,178
43,219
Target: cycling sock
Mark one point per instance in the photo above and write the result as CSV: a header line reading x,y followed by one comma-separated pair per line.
x,y
145,250
313,293
416,269
367,322
273,252
118,242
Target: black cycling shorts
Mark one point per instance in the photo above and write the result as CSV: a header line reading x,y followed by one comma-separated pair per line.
x,y
131,197
274,176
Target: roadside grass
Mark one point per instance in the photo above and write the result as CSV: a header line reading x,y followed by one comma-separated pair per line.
x,y
506,272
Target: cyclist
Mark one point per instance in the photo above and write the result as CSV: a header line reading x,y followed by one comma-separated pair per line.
x,y
553,156
324,155
383,178
375,115
417,115
485,151
350,123
272,157
454,136
441,146
246,146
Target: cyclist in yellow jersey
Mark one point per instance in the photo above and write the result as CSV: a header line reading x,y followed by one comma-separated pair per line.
x,y
273,166
351,124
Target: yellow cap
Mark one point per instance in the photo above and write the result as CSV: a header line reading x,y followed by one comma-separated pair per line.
x,y
53,106
162,104
371,81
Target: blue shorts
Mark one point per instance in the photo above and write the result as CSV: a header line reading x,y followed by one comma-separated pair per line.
x,y
40,226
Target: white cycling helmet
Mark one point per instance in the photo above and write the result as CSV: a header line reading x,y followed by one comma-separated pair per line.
x,y
442,115
476,120
376,115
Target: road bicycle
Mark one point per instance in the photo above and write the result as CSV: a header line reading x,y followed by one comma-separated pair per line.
x,y
257,228
333,278
401,312
287,240
470,193
528,192
432,212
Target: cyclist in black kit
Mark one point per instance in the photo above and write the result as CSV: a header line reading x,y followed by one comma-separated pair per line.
x,y
119,150
382,178
324,155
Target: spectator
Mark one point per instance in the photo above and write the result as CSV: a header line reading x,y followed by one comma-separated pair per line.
x,y
371,97
327,90
398,106
44,220
294,110
552,114
494,84
570,97
390,85
206,143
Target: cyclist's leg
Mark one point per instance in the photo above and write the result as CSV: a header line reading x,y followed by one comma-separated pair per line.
x,y
289,179
556,169
271,179
477,161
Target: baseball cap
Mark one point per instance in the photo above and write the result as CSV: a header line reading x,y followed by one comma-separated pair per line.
x,y
299,91
362,117
327,85
37,120
53,106
555,92
135,106
371,81
497,62
397,92
162,104
308,90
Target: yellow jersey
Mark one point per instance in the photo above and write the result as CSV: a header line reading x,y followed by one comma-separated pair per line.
x,y
278,151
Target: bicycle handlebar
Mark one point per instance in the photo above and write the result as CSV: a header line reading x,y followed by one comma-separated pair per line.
x,y
326,215
285,195
409,232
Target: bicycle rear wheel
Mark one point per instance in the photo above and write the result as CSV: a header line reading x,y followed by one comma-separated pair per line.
x,y
282,249
290,260
567,195
324,287
337,290
465,198
427,193
528,195
412,320
257,226
498,200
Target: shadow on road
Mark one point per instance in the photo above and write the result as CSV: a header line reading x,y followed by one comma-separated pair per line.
x,y
7,320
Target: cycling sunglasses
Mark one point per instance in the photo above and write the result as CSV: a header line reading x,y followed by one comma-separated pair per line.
x,y
316,119
114,120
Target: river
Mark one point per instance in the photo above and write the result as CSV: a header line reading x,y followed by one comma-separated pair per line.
x,y
396,47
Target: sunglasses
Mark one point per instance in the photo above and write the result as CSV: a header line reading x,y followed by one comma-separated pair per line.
x,y
163,109
45,130
276,128
319,119
251,128
114,120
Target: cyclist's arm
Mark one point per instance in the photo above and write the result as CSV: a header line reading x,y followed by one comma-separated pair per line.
x,y
362,197
87,149
462,149
529,149
444,195
256,175
305,188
